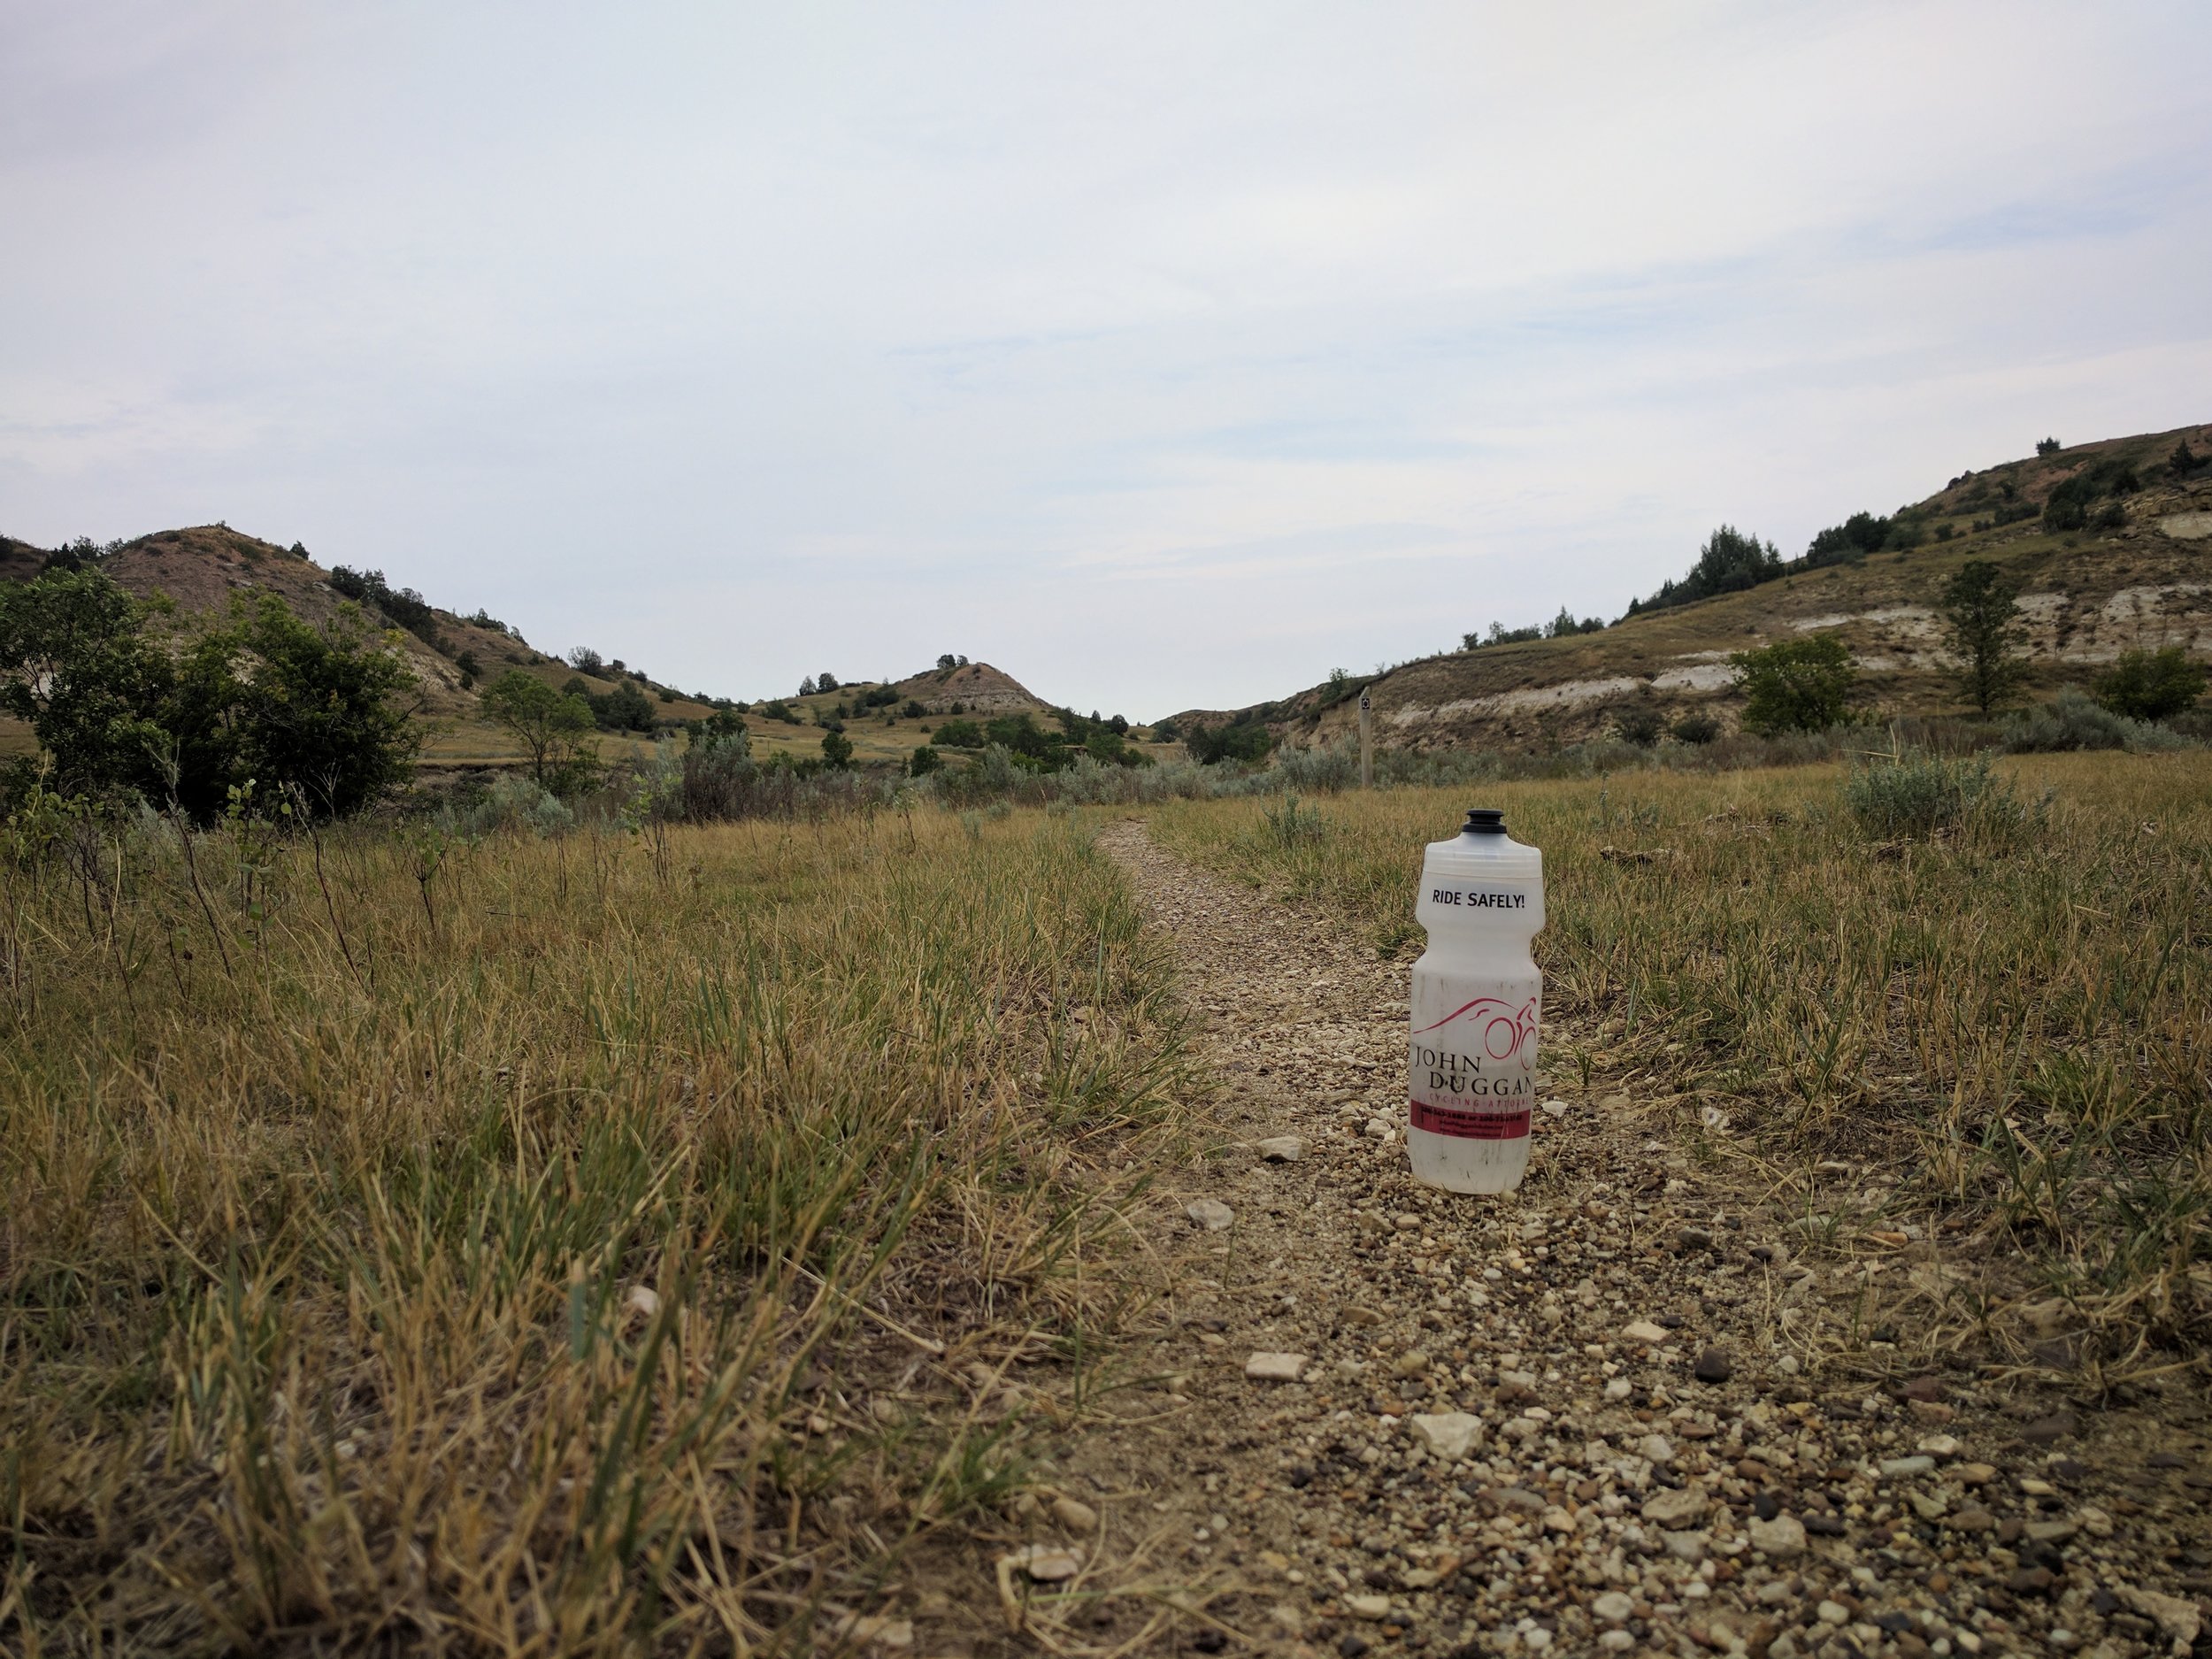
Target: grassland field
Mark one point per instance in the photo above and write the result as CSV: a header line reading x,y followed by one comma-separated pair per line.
x,y
620,1243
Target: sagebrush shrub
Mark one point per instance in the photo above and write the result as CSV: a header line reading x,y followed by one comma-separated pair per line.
x,y
1913,794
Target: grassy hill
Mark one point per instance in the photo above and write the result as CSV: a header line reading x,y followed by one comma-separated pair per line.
x,y
202,568
2087,595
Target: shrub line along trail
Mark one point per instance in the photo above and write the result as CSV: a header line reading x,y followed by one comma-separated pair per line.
x,y
1653,1457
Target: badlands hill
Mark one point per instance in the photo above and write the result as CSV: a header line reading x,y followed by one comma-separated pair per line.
x,y
2142,581
453,657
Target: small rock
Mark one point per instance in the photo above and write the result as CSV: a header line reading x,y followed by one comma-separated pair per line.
x,y
1905,1467
1655,1448
1677,1508
1929,1506
1281,1148
1613,1607
871,1631
2052,1532
1833,1613
1211,1214
643,1301
1939,1446
1619,1388
2179,1619
1931,1410
1616,1641
1369,1607
1351,1645
1781,1538
2045,1431
1714,1366
1275,1367
1077,1516
1048,1563
1412,1363
1362,1315
1977,1474
1450,1435
1380,1129
1694,1238
1643,1330
1974,1518
1688,1547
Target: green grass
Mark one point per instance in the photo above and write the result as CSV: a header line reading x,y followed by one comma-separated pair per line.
x,y
2017,1025
506,1246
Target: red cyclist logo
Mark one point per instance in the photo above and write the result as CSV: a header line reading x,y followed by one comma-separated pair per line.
x,y
1504,1031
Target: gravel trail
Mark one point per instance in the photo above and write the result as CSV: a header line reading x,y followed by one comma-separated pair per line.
x,y
1569,1420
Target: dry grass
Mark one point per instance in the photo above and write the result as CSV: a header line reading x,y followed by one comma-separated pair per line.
x,y
540,1246
2006,1035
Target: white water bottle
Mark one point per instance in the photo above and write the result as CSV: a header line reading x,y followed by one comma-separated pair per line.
x,y
1477,994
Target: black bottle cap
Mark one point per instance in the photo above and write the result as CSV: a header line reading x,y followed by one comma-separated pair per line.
x,y
1484,820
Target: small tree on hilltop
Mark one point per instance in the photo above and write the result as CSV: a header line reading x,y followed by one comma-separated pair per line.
x,y
837,750
551,726
947,661
1796,685
1980,611
806,687
584,660
2152,685
2048,446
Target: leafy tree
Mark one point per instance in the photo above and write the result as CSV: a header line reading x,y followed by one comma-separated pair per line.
x,y
2152,685
1796,685
961,734
825,682
1696,728
256,695
806,687
837,750
1979,611
585,660
2048,446
724,728
2183,461
914,710
552,725
472,669
1641,727
625,709
947,661
961,662
1246,741
923,761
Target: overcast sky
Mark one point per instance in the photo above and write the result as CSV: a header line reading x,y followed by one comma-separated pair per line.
x,y
1163,355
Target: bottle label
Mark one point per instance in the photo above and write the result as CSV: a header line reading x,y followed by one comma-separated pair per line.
x,y
1471,1061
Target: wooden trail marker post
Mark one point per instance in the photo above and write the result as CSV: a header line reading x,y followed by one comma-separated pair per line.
x,y
1366,752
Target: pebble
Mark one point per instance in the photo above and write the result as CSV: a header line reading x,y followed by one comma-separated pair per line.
x,y
1655,1448
1368,1607
1613,1607
1281,1148
1048,1563
1644,1331
1450,1435
1412,1363
1677,1508
1380,1129
1211,1214
1905,1467
1783,1538
1075,1514
1714,1366
1264,1367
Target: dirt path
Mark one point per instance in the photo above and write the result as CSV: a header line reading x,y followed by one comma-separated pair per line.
x,y
1642,1462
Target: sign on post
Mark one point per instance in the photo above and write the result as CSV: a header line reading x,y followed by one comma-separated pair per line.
x,y
1366,749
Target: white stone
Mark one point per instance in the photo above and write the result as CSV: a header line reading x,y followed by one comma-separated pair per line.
x,y
871,1631
1619,1388
2179,1619
1655,1448
1275,1367
1613,1607
1280,1148
1451,1435
1048,1563
642,1299
1211,1214
1677,1508
1617,1641
1074,1514
1781,1538
1370,1607
1644,1331
1905,1467
1833,1613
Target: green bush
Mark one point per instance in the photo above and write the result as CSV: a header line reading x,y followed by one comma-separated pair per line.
x,y
2074,721
513,802
1796,685
923,761
1639,727
123,703
1293,825
837,750
960,735
2152,685
553,728
1244,740
1915,794
1696,728
2047,446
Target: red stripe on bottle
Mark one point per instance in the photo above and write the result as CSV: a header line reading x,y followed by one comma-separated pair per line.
x,y
1440,1120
